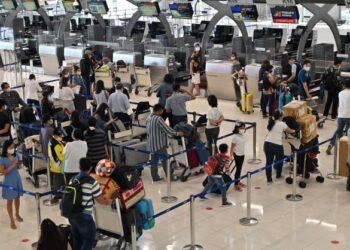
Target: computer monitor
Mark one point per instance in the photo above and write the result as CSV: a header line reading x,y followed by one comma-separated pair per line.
x,y
69,6
150,9
100,7
285,14
258,34
9,4
245,13
30,5
181,10
274,32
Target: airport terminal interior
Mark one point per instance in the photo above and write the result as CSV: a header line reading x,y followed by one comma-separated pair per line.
x,y
220,93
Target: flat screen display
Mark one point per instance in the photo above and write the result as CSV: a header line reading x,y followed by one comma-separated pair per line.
x,y
181,10
149,8
98,8
245,13
282,14
9,4
30,5
69,7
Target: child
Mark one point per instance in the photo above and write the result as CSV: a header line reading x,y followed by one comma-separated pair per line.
x,y
216,179
9,165
237,152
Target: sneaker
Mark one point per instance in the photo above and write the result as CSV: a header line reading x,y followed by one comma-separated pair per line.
x,y
238,188
203,198
226,203
242,184
329,149
269,182
280,177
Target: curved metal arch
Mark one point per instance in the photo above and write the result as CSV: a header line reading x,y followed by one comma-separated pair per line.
x,y
162,18
320,13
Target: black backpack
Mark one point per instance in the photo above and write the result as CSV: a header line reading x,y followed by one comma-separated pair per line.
x,y
71,204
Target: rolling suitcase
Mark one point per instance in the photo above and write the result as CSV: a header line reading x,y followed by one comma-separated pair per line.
x,y
247,103
202,153
129,218
130,197
192,159
145,208
285,98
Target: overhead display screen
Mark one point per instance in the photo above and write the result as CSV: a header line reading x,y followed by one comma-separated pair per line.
x,y
149,9
98,7
69,7
282,14
181,10
9,4
245,13
30,5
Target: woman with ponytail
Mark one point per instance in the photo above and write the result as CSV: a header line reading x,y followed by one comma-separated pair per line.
x,y
273,146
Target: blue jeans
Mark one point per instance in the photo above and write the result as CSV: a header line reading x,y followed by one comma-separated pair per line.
x,y
342,123
273,153
83,232
215,182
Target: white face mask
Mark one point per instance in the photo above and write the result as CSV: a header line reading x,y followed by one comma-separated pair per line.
x,y
11,151
197,49
106,112
50,98
66,76
242,131
92,128
307,69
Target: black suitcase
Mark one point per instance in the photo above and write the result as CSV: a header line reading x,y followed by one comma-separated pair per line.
x,y
217,190
132,216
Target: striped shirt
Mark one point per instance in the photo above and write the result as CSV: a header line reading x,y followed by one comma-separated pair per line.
x,y
158,133
96,142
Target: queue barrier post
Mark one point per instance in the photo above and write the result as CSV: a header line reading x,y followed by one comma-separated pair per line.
x,y
193,245
38,216
168,198
110,145
254,160
133,237
335,175
294,196
50,201
249,221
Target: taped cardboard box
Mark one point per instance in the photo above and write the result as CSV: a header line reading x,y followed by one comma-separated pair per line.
x,y
343,156
308,127
295,109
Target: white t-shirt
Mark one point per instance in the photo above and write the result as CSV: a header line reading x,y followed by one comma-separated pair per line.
x,y
276,133
32,88
239,141
66,94
344,104
213,114
73,152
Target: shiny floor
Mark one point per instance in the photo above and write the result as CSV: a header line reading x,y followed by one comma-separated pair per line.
x,y
320,221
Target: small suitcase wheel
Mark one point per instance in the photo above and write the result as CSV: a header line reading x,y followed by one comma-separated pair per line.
x,y
184,178
289,180
320,125
302,184
320,179
307,175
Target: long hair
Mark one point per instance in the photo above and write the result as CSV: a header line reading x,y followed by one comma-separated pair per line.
x,y
101,111
75,119
238,125
272,120
5,147
50,237
100,86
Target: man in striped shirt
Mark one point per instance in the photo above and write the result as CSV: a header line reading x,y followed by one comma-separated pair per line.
x,y
83,226
157,140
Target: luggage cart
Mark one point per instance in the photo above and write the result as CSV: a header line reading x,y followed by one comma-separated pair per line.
x,y
313,106
109,223
143,80
139,119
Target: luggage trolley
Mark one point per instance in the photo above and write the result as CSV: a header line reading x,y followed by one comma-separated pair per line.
x,y
312,106
109,222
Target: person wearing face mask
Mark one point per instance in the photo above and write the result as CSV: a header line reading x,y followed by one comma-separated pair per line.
x,y
237,152
32,88
12,99
332,82
9,165
77,80
214,120
103,118
195,69
304,79
5,123
56,157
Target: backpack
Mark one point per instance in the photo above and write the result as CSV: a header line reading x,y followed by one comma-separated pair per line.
x,y
299,68
71,204
329,79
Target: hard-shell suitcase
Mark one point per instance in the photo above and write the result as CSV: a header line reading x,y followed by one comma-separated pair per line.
x,y
247,103
192,159
145,207
130,197
284,99
217,190
202,153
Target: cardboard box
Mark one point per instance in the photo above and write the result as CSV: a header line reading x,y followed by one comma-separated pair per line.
x,y
308,127
343,156
295,109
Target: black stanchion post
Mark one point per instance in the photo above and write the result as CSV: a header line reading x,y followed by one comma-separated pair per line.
x,y
110,145
335,175
38,217
294,196
168,198
50,201
254,160
249,221
193,245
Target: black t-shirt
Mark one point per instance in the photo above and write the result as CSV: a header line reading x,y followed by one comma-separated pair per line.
x,y
4,119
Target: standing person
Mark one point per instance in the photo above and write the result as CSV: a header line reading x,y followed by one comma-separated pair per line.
x,y
5,123
343,121
83,226
304,79
195,69
118,102
273,146
157,139
9,165
332,82
32,88
291,71
216,178
176,104
236,64
165,89
264,96
51,237
67,96
214,120
87,70
46,133
12,99
116,81
269,85
96,141
55,153
237,152
101,95
73,152
77,80
76,122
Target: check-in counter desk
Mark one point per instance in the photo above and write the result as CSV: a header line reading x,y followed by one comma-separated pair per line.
x,y
134,58
8,51
219,77
51,57
252,71
73,53
159,66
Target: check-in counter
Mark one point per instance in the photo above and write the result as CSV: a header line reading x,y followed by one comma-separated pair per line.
x,y
252,71
159,65
73,53
8,51
51,57
134,58
219,77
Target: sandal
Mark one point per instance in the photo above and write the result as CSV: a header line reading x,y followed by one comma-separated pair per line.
x,y
19,218
13,225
